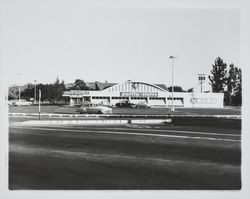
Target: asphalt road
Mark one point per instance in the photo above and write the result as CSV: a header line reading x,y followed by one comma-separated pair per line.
x,y
124,157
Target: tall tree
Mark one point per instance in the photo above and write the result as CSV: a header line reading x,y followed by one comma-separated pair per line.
x,y
218,77
231,80
234,81
237,100
231,83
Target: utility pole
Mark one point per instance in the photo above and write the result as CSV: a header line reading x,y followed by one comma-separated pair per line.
x,y
201,79
172,57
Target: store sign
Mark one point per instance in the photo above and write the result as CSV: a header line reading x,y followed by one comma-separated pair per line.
x,y
203,101
80,92
138,94
73,93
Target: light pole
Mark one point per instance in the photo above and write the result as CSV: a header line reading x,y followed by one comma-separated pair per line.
x,y
35,92
19,88
39,103
172,57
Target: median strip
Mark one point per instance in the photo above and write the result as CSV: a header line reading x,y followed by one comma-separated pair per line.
x,y
91,122
124,115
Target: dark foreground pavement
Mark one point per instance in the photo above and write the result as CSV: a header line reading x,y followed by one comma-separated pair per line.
x,y
124,157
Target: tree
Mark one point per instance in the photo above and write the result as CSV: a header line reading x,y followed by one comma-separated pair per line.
x,y
56,90
231,82
79,85
233,92
218,79
28,92
237,99
176,89
52,92
13,92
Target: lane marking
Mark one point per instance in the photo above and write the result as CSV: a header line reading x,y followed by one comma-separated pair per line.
x,y
130,133
163,130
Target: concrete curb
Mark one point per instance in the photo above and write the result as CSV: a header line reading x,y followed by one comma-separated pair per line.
x,y
122,116
91,122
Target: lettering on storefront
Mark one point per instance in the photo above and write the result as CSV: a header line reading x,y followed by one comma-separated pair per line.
x,y
138,94
203,101
80,92
76,94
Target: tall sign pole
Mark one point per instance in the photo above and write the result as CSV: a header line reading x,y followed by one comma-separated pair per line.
x,y
201,79
172,106
39,104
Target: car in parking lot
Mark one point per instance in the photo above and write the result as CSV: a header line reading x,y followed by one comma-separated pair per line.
x,y
142,105
95,109
22,102
125,104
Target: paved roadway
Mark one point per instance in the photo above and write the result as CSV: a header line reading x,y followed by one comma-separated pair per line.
x,y
124,157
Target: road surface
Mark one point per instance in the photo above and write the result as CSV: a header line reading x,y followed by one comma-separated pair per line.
x,y
124,157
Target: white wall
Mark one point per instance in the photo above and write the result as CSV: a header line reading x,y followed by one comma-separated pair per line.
x,y
204,100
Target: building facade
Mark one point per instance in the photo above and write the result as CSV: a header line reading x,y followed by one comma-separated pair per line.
x,y
153,95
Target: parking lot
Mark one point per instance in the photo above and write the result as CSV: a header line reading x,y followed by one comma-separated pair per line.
x,y
132,111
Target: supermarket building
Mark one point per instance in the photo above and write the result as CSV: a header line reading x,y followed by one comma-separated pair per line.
x,y
154,95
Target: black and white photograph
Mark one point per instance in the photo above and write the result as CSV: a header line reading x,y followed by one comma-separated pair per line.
x,y
144,98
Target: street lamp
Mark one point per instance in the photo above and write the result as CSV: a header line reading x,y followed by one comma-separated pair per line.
x,y
39,103
172,57
35,92
19,88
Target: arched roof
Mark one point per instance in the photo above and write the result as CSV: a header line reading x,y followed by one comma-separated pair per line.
x,y
137,86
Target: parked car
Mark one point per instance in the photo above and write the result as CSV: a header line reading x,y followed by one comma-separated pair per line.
x,y
22,102
10,103
142,105
95,109
46,102
125,104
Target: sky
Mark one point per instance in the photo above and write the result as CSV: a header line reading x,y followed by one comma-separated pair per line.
x,y
97,43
